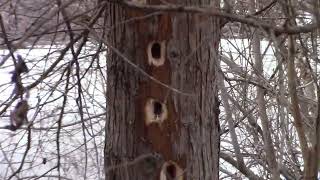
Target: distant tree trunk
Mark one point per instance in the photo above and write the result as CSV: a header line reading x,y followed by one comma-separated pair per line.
x,y
175,115
266,127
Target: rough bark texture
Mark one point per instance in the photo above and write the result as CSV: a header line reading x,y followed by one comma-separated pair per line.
x,y
186,132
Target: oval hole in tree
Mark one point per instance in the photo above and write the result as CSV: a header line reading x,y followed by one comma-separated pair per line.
x,y
156,53
156,50
157,108
171,171
155,111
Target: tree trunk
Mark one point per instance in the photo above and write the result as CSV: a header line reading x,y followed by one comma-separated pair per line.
x,y
164,100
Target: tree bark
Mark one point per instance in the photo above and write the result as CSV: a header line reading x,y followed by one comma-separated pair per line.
x,y
164,100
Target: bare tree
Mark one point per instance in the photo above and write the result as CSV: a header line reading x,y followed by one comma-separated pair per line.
x,y
163,92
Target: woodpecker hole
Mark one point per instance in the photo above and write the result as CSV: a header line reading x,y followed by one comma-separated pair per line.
x,y
171,170
156,53
155,111
156,50
157,108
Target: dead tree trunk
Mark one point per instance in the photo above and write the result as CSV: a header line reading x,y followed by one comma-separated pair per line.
x,y
162,95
